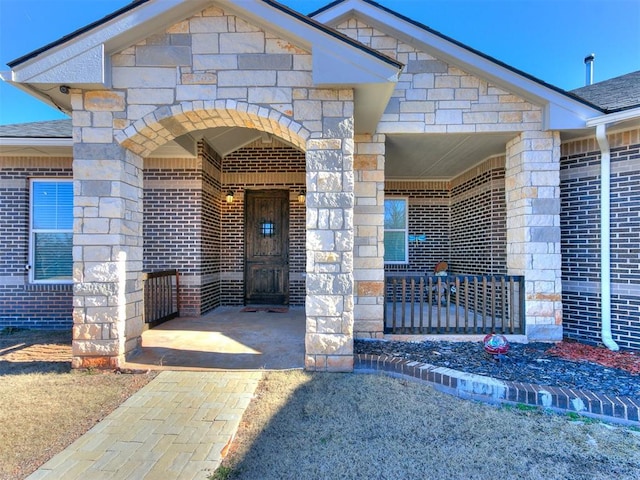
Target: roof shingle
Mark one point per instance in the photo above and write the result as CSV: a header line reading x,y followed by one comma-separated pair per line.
x,y
615,94
49,129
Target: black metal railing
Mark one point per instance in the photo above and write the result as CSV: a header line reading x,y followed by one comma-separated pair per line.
x,y
161,296
455,304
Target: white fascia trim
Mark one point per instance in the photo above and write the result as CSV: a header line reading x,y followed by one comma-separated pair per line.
x,y
35,142
468,61
108,38
348,69
613,118
54,65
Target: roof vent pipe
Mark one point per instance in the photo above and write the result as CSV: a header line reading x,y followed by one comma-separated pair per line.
x,y
588,61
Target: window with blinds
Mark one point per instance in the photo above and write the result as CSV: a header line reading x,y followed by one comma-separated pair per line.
x,y
396,231
51,243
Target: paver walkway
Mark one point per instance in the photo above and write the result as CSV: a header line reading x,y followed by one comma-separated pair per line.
x,y
175,427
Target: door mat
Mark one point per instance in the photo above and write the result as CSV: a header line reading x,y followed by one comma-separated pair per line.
x,y
266,309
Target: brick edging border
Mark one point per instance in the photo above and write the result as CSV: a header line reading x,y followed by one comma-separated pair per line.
x,y
623,410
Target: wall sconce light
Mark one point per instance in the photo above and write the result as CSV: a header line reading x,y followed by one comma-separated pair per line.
x,y
302,196
229,196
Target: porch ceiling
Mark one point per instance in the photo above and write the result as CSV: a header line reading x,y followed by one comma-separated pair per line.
x,y
439,156
224,140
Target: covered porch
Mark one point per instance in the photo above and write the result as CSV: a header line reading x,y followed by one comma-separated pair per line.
x,y
227,338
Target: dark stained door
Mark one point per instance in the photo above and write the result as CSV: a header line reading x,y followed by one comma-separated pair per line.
x,y
267,247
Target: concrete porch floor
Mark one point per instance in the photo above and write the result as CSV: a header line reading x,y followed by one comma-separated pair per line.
x,y
225,339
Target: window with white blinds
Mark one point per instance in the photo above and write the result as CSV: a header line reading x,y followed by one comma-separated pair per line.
x,y
396,227
51,242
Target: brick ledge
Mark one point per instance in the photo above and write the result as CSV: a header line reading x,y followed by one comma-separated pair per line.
x,y
623,410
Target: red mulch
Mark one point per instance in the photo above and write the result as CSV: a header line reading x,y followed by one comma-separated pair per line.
x,y
629,361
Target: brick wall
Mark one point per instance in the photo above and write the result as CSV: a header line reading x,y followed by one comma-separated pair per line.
x,y
463,221
580,226
478,220
188,225
429,215
22,304
211,227
261,165
172,227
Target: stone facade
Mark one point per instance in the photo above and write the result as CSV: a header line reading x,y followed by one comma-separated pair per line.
x,y
532,183
135,211
432,97
229,73
107,253
369,235
435,97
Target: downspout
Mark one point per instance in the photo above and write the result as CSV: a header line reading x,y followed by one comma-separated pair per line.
x,y
605,236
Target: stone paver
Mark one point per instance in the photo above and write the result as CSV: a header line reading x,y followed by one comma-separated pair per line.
x,y
176,427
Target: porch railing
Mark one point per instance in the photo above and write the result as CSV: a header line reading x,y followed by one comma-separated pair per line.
x,y
161,296
461,304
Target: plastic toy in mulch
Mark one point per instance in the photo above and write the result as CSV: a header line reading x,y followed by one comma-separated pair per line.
x,y
496,345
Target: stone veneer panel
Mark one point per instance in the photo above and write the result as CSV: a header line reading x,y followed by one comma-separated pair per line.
x,y
369,235
217,64
435,97
107,303
532,185
330,241
225,72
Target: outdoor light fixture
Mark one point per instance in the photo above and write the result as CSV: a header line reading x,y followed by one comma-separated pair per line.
x,y
302,196
229,196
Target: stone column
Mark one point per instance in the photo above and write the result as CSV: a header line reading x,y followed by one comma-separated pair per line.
x,y
107,249
532,188
368,252
329,299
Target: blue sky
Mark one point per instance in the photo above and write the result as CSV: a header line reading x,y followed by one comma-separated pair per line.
x,y
545,38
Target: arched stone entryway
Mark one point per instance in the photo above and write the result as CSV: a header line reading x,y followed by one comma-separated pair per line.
x,y
108,293
167,123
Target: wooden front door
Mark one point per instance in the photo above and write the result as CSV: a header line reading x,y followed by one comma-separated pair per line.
x,y
267,247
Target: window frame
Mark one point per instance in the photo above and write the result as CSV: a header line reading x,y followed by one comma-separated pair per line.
x,y
405,230
33,231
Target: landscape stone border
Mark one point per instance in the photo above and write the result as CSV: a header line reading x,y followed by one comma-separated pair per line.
x,y
622,410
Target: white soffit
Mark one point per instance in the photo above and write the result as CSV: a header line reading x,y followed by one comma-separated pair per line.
x,y
561,111
36,147
439,156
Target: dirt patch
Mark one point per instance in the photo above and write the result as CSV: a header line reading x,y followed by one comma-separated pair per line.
x,y
34,351
44,404
325,426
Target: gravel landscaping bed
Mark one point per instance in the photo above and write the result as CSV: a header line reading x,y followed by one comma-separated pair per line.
x,y
535,363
